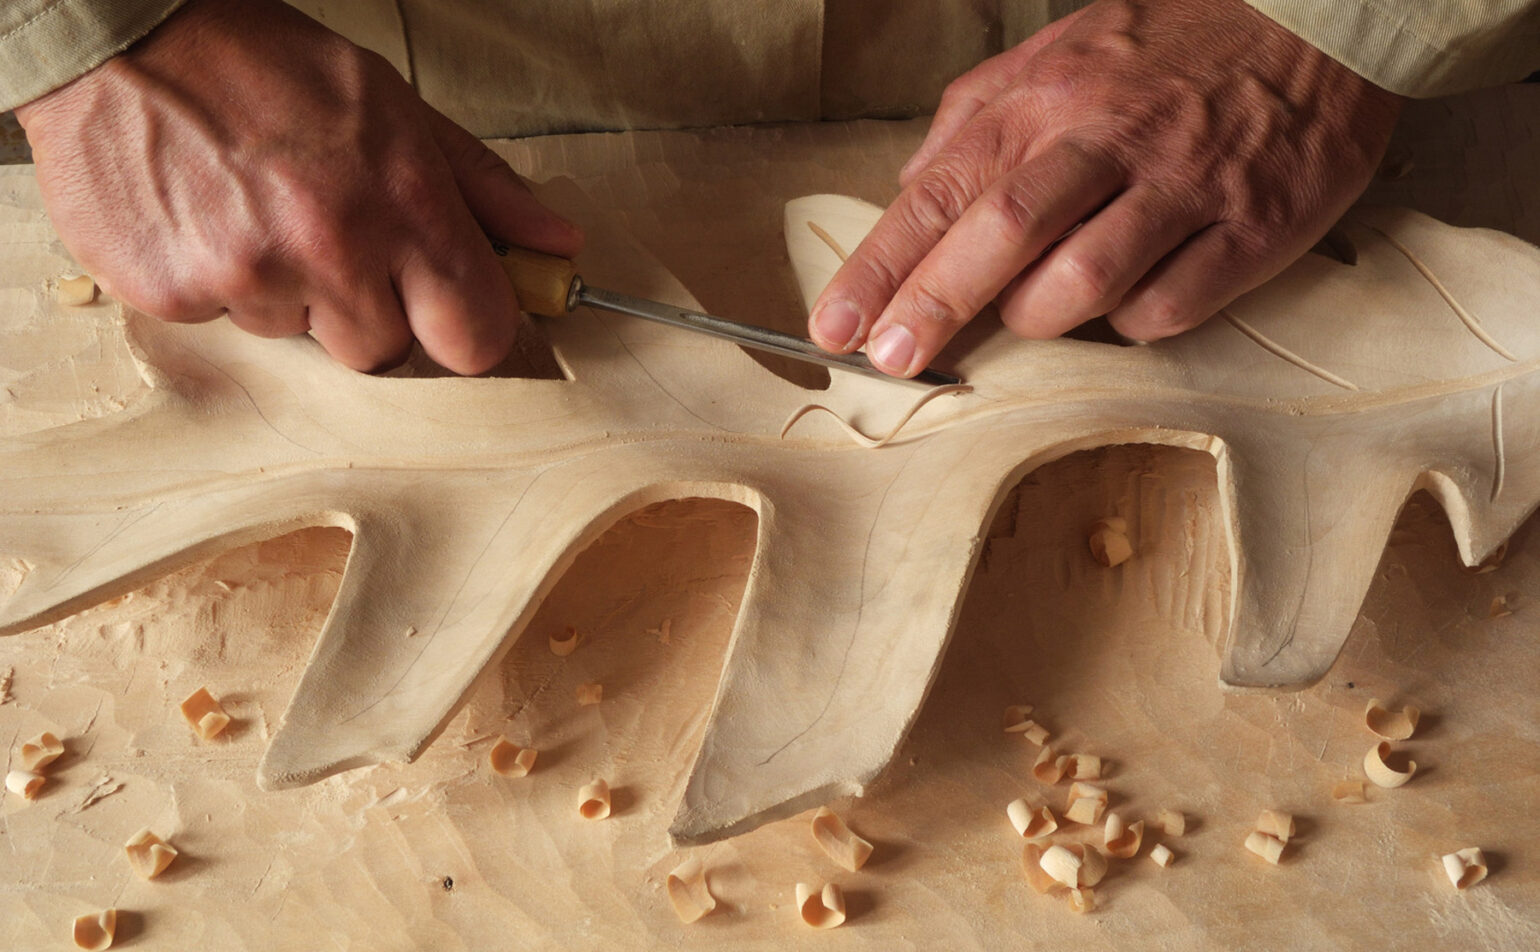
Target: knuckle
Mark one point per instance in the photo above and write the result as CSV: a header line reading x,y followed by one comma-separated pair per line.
x,y
937,200
933,304
1014,212
1162,314
1088,282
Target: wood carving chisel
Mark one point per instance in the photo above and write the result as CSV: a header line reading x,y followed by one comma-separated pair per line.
x,y
551,287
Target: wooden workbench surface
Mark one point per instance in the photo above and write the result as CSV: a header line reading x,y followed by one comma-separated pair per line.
x,y
442,854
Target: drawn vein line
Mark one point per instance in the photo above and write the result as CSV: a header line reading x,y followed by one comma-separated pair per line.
x,y
1283,353
828,239
1499,457
1467,318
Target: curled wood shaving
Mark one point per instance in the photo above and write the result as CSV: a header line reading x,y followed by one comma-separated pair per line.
x,y
1465,867
1085,803
564,643
869,441
1030,823
1350,791
1015,720
1162,855
838,841
1036,733
77,291
1383,774
1276,824
510,759
589,694
1049,768
1388,725
1061,864
1082,900
94,932
1268,847
1093,863
687,891
1122,841
821,909
1032,867
1171,821
24,783
204,714
148,854
1109,543
41,751
594,800
1084,767
6,676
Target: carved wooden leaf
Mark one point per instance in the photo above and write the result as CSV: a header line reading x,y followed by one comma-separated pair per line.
x,y
468,498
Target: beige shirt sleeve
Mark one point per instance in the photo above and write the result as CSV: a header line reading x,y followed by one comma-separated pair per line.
x,y
1419,48
46,43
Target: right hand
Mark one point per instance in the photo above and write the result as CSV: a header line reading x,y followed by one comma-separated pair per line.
x,y
244,158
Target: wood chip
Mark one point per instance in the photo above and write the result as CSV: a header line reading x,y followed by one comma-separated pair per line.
x,y
75,291
1350,791
1015,719
1082,900
94,932
564,643
41,751
1049,767
7,674
1109,543
1276,824
24,783
1085,803
1084,767
1122,841
204,714
687,891
1171,821
1034,824
511,760
843,846
1268,847
594,800
1093,863
1465,868
1398,725
1036,733
1162,855
1032,867
1062,865
589,694
148,854
1381,773
823,909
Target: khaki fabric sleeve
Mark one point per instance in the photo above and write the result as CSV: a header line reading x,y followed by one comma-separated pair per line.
x,y
46,43
1419,48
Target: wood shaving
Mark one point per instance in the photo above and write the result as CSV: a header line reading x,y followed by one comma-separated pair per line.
x,y
1171,821
1398,725
874,442
94,932
101,788
594,800
1162,855
24,783
837,840
1030,823
687,891
1032,867
1084,767
1082,900
77,291
1014,720
511,760
1465,868
7,674
1093,863
1383,774
1061,864
564,643
148,854
1122,841
1036,733
821,909
41,751
1499,608
1109,543
589,694
1268,847
1049,768
1350,791
1085,803
1276,824
204,714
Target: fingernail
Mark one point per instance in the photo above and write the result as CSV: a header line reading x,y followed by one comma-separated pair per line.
x,y
838,323
893,350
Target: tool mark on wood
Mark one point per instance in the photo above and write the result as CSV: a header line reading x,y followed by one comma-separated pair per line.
x,y
827,239
874,442
1280,351
1467,318
1499,457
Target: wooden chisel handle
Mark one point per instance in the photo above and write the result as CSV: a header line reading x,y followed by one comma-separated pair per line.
x,y
544,283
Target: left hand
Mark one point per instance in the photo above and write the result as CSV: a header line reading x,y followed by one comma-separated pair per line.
x,y
1200,147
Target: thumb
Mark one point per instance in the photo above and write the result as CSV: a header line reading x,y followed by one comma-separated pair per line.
x,y
499,199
